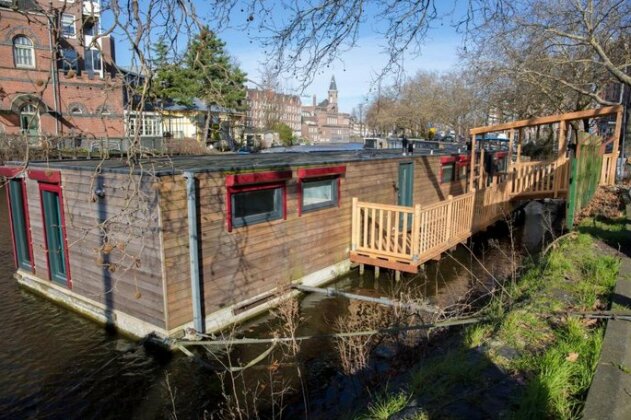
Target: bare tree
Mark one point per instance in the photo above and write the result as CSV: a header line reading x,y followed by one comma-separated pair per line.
x,y
558,56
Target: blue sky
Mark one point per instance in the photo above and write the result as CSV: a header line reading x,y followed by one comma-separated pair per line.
x,y
356,69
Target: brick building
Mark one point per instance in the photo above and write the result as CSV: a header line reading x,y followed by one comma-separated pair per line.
x,y
57,74
323,122
266,107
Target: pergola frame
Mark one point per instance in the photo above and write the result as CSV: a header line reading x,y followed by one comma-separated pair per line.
x,y
562,119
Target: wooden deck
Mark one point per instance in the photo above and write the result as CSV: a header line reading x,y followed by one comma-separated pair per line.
x,y
403,238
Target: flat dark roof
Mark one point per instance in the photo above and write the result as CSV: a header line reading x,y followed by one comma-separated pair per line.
x,y
232,162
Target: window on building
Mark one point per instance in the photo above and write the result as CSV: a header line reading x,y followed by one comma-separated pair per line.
x,y
256,198
29,120
23,52
257,205
68,26
447,172
76,110
145,125
319,193
69,60
319,188
19,223
92,60
90,26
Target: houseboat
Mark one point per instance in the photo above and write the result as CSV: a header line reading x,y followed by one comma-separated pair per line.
x,y
205,241
165,244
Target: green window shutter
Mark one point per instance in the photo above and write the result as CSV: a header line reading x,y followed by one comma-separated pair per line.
x,y
18,218
54,237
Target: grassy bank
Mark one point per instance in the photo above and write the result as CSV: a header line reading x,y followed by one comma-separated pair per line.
x,y
533,358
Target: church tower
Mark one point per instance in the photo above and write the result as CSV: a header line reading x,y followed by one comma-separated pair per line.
x,y
332,96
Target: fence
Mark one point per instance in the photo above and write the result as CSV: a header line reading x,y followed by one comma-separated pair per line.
x,y
586,174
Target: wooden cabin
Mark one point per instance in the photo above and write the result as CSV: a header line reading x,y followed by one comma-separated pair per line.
x,y
116,243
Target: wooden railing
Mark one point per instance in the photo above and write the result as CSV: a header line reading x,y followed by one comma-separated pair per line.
x,y
402,238
411,233
608,172
540,177
384,230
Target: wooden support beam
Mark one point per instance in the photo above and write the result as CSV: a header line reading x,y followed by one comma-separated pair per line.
x,y
397,276
361,269
570,116
377,272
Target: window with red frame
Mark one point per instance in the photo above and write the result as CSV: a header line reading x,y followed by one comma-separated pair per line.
x,y
319,188
53,220
19,218
256,198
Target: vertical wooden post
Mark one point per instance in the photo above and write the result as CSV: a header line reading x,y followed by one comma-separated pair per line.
x,y
509,167
397,276
616,145
520,141
377,272
472,163
416,232
481,165
560,156
450,206
361,269
354,224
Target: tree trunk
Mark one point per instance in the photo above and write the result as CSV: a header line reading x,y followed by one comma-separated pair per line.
x,y
207,124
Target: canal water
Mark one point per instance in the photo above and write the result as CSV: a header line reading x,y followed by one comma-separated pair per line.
x,y
56,364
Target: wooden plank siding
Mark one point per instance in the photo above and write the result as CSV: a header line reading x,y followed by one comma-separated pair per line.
x,y
239,265
131,284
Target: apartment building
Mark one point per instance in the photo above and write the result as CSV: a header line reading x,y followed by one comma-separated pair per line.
x,y
57,72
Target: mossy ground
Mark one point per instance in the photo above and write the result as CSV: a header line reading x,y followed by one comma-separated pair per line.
x,y
533,358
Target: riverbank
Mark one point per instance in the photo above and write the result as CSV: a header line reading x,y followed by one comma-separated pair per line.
x,y
536,355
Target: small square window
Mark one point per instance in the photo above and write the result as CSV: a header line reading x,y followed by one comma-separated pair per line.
x,y
447,172
256,205
67,26
319,193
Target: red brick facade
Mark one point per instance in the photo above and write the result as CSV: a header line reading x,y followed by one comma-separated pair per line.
x,y
83,99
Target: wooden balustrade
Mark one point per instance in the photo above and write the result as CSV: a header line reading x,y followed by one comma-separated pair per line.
x,y
402,238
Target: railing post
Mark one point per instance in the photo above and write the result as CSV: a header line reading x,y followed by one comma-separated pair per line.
x,y
481,170
416,232
450,207
354,224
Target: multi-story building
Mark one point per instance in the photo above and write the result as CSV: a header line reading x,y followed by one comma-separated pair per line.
x,y
266,108
323,122
57,73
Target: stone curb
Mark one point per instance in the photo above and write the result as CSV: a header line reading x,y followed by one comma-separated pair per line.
x,y
609,396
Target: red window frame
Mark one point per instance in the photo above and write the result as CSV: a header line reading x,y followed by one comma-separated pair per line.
x,y
323,173
51,181
14,173
254,182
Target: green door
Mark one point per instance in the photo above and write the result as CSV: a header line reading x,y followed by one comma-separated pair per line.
x,y
54,237
18,221
406,184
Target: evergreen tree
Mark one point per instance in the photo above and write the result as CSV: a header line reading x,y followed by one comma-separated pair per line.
x,y
216,79
205,72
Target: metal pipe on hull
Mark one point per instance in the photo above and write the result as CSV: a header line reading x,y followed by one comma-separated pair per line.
x,y
193,241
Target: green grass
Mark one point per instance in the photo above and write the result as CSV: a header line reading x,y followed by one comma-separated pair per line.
x,y
385,405
554,355
614,232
